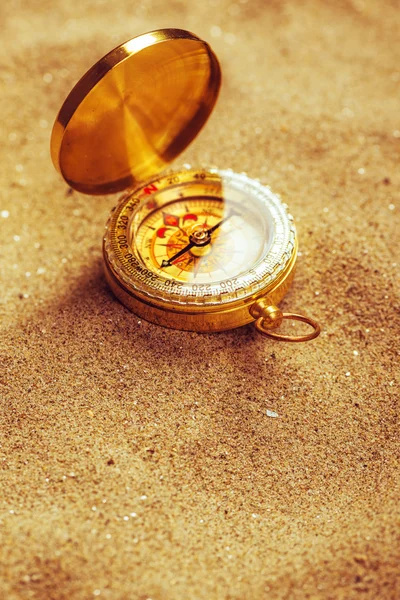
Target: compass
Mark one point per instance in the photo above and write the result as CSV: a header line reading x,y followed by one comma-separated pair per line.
x,y
200,249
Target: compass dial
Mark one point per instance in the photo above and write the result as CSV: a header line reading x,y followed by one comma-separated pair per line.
x,y
196,237
200,240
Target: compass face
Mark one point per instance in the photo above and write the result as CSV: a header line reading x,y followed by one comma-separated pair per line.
x,y
198,237
202,240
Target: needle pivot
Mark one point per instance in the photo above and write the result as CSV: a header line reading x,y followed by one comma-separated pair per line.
x,y
200,237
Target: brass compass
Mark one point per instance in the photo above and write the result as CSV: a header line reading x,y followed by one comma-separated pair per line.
x,y
195,249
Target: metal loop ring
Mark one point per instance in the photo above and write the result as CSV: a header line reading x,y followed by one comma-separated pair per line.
x,y
259,324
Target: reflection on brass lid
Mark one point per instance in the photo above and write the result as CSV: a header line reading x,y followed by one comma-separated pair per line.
x,y
134,111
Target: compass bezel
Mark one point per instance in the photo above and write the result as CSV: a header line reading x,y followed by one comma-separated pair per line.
x,y
127,271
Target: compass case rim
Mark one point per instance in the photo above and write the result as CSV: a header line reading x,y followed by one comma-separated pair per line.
x,y
201,318
142,290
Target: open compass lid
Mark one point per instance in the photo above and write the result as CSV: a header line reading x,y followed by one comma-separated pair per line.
x,y
135,111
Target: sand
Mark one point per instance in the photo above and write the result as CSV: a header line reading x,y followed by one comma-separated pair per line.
x,y
139,462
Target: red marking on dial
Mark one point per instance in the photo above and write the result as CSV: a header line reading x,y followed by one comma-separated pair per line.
x,y
179,260
161,232
190,217
151,204
150,189
171,220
